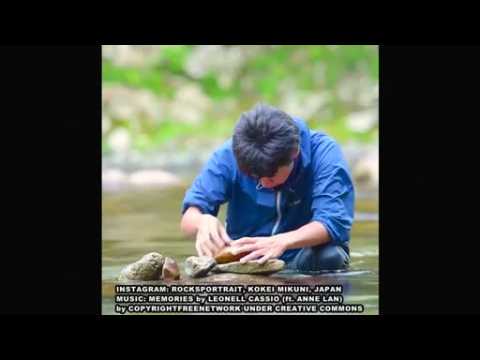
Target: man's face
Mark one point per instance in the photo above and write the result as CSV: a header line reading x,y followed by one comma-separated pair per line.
x,y
279,178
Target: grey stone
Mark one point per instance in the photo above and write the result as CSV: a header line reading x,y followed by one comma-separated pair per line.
x,y
149,267
251,267
198,266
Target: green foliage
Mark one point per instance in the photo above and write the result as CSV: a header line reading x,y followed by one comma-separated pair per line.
x,y
174,57
309,69
212,88
149,79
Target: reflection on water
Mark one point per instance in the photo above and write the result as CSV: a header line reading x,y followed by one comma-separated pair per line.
x,y
137,222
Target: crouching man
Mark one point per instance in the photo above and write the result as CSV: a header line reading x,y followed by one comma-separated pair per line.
x,y
289,191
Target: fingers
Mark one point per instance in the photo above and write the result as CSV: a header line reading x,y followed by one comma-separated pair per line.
x,y
202,250
203,244
210,237
245,248
253,255
265,257
226,239
199,249
245,241
208,249
215,237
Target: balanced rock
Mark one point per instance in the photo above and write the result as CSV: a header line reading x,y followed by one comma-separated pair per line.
x,y
149,267
226,256
251,267
198,266
170,270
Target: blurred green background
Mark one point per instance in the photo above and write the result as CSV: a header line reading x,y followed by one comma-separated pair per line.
x,y
169,106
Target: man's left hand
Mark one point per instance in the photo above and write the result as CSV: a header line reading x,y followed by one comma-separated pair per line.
x,y
262,247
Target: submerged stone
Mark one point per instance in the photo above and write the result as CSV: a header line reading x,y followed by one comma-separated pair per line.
x,y
251,267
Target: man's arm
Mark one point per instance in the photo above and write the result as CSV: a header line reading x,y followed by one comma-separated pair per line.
x,y
264,248
209,190
190,221
209,234
311,234
333,196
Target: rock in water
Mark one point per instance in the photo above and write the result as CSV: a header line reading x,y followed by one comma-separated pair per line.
x,y
170,270
198,266
251,267
226,256
148,267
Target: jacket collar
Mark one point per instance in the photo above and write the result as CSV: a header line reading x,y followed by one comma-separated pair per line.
x,y
305,141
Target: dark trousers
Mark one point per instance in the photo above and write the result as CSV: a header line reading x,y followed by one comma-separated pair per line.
x,y
320,258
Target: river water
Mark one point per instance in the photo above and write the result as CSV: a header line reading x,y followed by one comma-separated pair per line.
x,y
139,221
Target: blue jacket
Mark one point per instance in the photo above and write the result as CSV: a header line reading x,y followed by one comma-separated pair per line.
x,y
320,188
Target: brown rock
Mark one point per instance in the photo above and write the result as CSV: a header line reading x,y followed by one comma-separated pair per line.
x,y
226,256
170,270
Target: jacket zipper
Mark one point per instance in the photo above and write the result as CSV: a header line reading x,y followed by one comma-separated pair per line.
x,y
279,212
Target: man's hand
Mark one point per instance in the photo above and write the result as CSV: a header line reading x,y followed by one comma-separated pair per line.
x,y
264,248
211,236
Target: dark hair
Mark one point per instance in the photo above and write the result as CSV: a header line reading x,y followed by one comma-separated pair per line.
x,y
264,139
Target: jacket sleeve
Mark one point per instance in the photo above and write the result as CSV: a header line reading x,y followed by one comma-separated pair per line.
x,y
212,187
333,197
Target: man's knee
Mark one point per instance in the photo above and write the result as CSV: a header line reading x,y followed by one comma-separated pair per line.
x,y
321,257
333,257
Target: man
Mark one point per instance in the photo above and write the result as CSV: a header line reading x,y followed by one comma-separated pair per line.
x,y
289,191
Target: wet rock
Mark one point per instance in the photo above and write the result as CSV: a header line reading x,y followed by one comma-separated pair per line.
x,y
170,270
149,267
251,267
226,256
198,266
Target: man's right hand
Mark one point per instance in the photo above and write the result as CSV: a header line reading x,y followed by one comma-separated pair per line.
x,y
211,236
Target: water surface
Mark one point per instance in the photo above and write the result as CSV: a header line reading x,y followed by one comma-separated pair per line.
x,y
136,222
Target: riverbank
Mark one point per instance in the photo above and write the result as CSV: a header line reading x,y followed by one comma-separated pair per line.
x,y
175,166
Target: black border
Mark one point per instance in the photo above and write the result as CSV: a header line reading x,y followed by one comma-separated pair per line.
x,y
428,245
52,148
52,166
